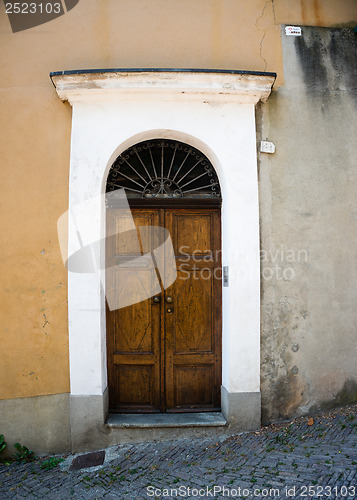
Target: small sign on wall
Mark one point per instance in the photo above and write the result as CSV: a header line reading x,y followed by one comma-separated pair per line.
x,y
292,30
267,147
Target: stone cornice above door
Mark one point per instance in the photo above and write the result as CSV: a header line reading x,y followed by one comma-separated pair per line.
x,y
164,84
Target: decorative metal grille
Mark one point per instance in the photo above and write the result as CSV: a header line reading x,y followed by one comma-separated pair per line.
x,y
163,168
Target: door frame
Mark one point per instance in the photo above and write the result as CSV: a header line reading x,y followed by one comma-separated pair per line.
x,y
214,111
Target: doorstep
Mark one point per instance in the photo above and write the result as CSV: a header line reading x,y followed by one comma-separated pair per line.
x,y
162,420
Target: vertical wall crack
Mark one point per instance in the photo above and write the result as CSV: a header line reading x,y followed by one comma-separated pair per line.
x,y
264,32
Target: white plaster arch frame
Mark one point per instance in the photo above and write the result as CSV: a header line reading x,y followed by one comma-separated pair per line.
x,y
214,112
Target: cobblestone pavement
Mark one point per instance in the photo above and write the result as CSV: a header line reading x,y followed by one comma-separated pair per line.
x,y
304,458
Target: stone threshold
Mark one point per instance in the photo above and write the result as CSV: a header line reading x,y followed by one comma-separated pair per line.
x,y
161,420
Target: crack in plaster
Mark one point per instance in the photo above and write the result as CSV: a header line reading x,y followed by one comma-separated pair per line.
x,y
264,32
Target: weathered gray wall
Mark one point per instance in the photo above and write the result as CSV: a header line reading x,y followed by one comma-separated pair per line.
x,y
309,227
41,423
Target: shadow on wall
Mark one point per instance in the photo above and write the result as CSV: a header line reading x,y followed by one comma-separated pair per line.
x,y
287,398
328,58
346,396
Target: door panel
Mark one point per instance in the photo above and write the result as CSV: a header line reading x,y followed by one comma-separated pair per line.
x,y
192,233
193,300
133,331
193,384
192,329
135,385
166,356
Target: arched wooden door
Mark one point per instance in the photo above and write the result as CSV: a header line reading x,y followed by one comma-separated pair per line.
x,y
164,353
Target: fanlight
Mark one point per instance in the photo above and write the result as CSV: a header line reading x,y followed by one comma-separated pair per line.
x,y
163,168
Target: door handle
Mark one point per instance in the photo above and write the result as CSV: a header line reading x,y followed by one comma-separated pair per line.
x,y
157,300
169,300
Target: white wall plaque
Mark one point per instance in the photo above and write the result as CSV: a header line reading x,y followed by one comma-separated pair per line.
x,y
292,30
267,147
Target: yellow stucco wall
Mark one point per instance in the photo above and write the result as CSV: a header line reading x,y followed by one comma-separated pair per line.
x,y
35,138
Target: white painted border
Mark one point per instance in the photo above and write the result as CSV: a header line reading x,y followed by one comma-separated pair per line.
x,y
225,132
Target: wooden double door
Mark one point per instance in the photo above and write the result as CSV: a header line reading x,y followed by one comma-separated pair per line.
x,y
164,351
